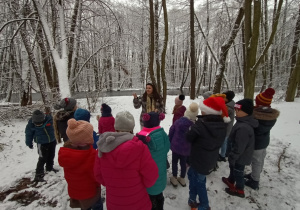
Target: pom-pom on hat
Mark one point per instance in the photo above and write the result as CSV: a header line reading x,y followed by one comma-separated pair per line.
x,y
124,121
152,119
179,100
229,95
106,110
192,111
207,94
246,105
38,117
265,98
67,104
80,132
215,106
82,114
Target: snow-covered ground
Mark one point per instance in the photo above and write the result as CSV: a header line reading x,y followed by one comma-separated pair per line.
x,y
278,189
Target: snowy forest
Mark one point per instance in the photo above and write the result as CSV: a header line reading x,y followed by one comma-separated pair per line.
x,y
66,46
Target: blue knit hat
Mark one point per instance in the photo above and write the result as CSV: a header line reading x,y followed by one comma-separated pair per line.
x,y
106,110
82,114
152,119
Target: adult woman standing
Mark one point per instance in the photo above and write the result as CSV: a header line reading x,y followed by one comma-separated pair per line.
x,y
151,101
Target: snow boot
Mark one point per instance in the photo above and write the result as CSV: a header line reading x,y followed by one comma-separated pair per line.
x,y
228,183
39,178
248,176
253,184
181,181
53,169
235,192
174,181
193,205
220,158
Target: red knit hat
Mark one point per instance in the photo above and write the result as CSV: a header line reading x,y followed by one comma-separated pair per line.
x,y
265,98
215,106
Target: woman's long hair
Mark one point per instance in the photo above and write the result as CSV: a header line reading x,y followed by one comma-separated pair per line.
x,y
155,94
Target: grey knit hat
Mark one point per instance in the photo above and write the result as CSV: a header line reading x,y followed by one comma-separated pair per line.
x,y
67,104
207,94
38,117
124,121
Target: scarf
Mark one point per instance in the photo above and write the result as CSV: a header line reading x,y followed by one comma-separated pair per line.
x,y
150,107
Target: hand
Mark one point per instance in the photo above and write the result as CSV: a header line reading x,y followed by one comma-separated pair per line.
x,y
134,95
156,110
31,146
98,117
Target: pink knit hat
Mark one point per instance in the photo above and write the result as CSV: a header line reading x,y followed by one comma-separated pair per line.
x,y
80,132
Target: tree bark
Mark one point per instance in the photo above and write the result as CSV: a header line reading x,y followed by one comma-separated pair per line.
x,y
193,57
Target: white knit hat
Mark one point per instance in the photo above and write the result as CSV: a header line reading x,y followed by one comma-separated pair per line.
x,y
192,111
124,122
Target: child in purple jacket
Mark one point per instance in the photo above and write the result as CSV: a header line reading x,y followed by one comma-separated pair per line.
x,y
179,146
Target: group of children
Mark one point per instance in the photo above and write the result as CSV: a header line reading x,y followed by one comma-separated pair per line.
x,y
133,168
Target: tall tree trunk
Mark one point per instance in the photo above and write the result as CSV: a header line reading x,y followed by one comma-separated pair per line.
x,y
152,44
193,57
157,57
224,51
295,64
164,51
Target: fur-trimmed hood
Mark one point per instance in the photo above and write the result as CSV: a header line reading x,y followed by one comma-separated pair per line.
x,y
265,113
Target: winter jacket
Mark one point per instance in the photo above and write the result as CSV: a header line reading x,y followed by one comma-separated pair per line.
x,y
158,143
230,108
266,117
179,113
126,168
106,124
138,102
206,137
177,132
79,172
40,134
60,124
241,140
96,138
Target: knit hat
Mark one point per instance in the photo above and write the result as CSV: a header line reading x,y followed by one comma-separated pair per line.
x,y
215,106
152,119
265,98
229,95
80,132
124,121
179,100
192,111
38,117
67,104
207,94
82,114
246,105
106,110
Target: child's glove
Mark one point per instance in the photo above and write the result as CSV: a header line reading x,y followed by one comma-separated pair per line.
x,y
31,146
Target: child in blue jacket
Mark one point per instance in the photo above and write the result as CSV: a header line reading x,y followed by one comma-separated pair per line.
x,y
40,129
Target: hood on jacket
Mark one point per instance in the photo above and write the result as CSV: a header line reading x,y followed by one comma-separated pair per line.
x,y
230,104
110,144
265,113
72,158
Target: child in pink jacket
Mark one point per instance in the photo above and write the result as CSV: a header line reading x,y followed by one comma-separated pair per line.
x,y
125,166
106,121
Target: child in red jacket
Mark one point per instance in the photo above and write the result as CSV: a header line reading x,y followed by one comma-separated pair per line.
x,y
106,121
77,157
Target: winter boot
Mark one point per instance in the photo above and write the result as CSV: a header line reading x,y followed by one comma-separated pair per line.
x,y
253,184
174,181
53,169
220,158
39,178
181,181
248,176
216,167
228,183
193,205
235,192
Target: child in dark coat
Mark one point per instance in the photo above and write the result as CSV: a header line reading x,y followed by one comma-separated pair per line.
x,y
206,137
179,109
40,129
179,146
241,146
106,121
60,120
83,114
267,118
